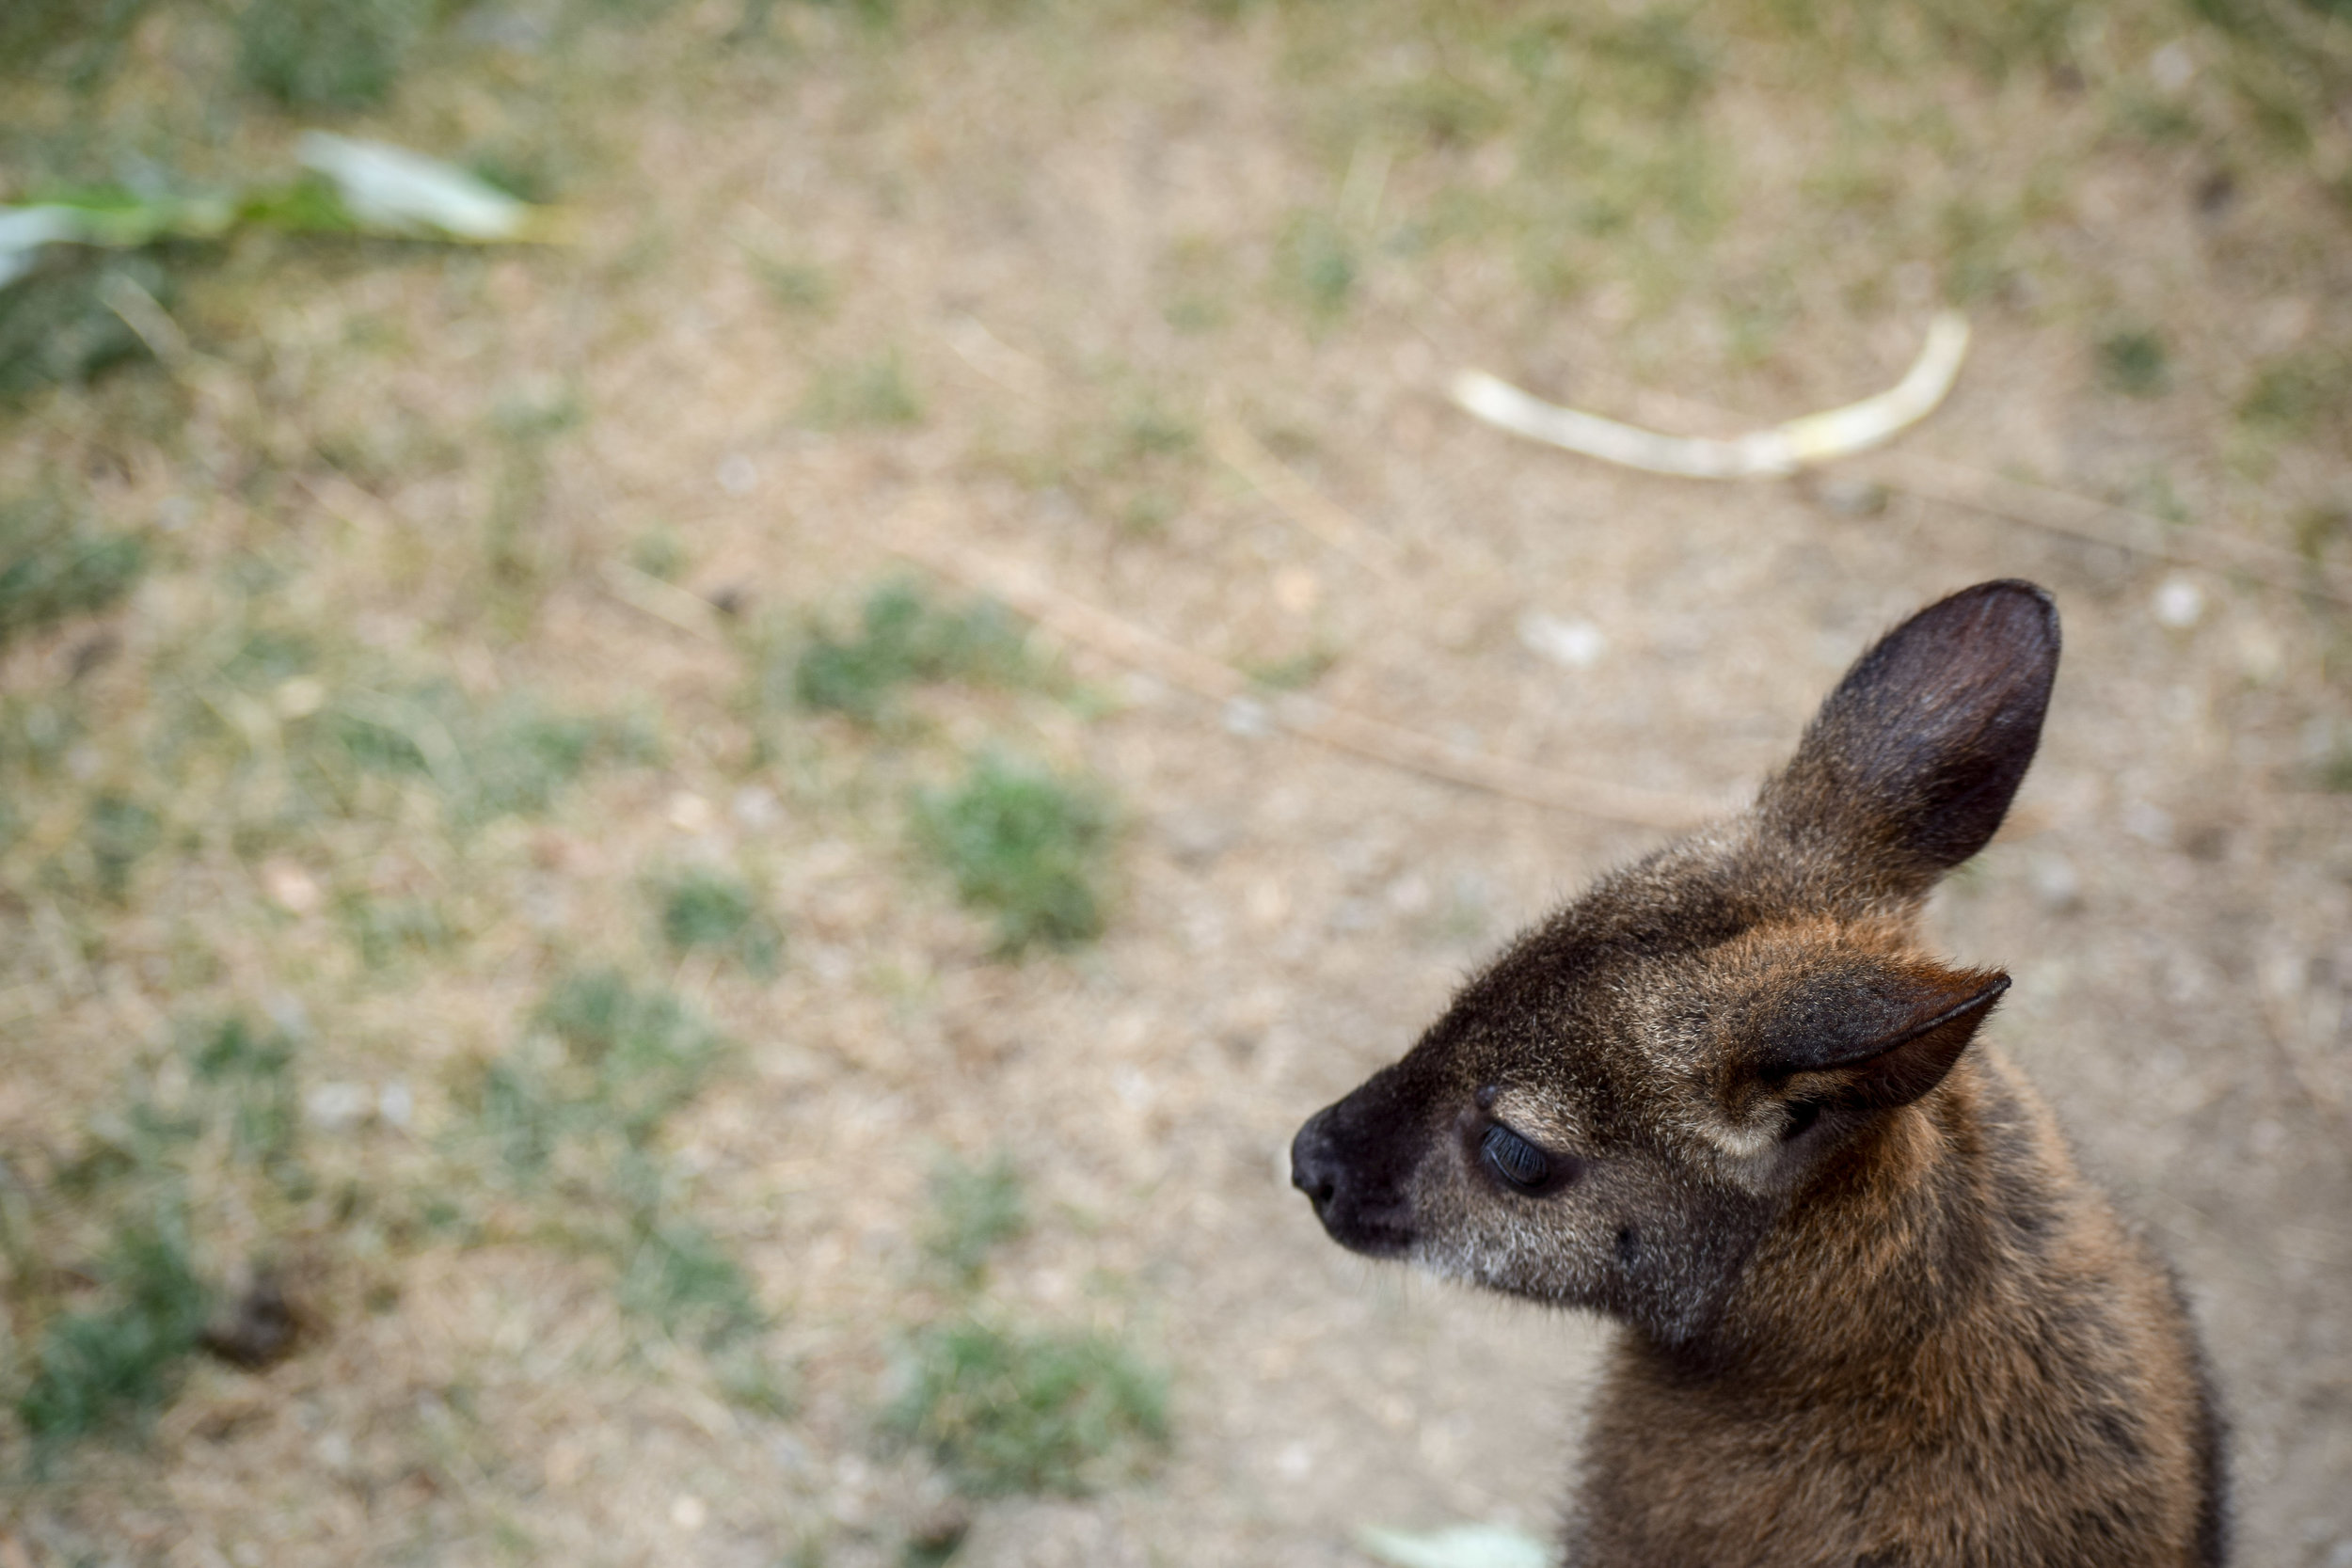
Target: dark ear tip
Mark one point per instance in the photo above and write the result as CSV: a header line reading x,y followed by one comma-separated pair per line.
x,y
2018,610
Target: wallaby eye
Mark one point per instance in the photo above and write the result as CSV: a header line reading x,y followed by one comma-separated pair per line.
x,y
1513,1158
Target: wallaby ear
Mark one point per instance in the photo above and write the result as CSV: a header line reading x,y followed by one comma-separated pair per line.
x,y
1870,1040
1911,764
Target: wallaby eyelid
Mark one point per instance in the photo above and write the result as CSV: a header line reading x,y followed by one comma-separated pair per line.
x,y
1519,1161
1516,1162
1536,1116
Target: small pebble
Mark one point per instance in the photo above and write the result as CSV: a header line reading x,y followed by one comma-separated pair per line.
x,y
2173,67
1410,895
1296,589
2179,603
287,1012
1573,644
337,1108
289,886
2056,882
756,807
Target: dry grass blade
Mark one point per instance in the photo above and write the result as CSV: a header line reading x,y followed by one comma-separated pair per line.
x,y
1781,450
998,361
2062,511
664,601
1312,510
1128,643
145,315
1912,473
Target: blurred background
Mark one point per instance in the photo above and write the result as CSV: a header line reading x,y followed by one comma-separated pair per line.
x,y
667,890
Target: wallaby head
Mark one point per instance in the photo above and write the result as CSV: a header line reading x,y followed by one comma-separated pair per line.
x,y
1616,1112
1876,1317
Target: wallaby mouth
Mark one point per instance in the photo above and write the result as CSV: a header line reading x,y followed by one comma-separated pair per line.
x,y
1360,1201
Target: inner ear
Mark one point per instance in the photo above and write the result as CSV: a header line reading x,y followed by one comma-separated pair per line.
x,y
1912,763
1883,1045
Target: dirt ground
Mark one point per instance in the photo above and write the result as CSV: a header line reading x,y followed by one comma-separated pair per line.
x,y
1074,245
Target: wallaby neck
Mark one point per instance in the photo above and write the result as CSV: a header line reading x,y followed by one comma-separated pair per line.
x,y
1899,1257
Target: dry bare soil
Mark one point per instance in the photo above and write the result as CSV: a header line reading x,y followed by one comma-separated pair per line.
x,y
438,880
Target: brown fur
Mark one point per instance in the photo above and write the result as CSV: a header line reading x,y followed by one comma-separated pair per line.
x,y
1874,1315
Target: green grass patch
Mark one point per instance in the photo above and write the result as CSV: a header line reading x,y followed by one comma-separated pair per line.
x,y
57,327
1657,66
147,1170
604,1062
1977,241
975,1210
2134,363
293,727
1293,673
1025,845
2002,39
679,1274
1315,264
386,930
575,1111
2301,393
800,287
1132,456
95,1365
313,55
869,393
241,1079
55,564
903,638
2334,771
660,553
118,833
75,42
1005,1410
1149,428
251,1071
631,1054
510,757
708,910
2317,528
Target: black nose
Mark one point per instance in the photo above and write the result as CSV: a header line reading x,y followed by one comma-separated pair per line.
x,y
1314,1169
1354,1183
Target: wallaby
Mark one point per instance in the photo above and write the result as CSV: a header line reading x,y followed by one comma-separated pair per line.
x,y
1873,1316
